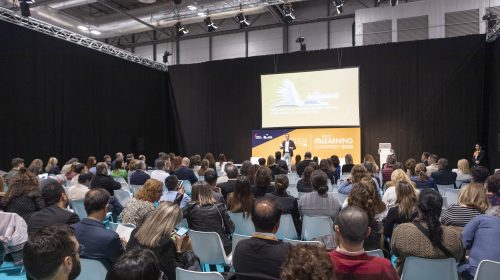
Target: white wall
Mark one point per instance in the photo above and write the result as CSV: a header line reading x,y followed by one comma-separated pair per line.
x,y
145,51
194,50
228,46
314,34
266,41
341,33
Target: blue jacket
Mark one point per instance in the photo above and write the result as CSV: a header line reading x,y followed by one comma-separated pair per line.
x,y
184,173
139,177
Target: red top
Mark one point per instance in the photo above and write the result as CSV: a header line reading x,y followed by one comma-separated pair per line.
x,y
362,267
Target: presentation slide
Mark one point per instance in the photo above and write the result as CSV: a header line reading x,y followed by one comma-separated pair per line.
x,y
321,142
309,99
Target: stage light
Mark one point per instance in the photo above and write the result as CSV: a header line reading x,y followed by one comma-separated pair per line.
x,y
243,20
83,28
25,7
491,20
394,2
288,14
301,40
95,32
181,30
210,25
165,56
339,5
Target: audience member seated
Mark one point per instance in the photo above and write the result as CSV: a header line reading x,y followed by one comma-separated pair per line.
x,y
262,161
23,196
119,170
157,234
52,253
380,207
206,214
275,168
425,237
51,168
36,167
287,203
232,173
293,168
479,174
444,176
224,177
371,172
136,264
425,158
324,166
241,200
79,168
100,243
203,167
387,169
304,184
245,168
140,206
220,164
493,189
78,191
404,210
320,202
91,162
263,179
185,173
421,179
358,172
349,164
336,163
463,171
432,165
161,172
104,181
56,202
361,197
472,201
140,176
17,164
281,163
480,237
174,191
118,156
304,163
410,167
349,259
262,255
397,176
211,179
307,262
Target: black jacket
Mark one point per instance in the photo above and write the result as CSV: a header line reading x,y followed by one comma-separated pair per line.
x,y
210,218
444,177
51,215
106,182
304,186
288,205
227,187
25,205
260,191
302,165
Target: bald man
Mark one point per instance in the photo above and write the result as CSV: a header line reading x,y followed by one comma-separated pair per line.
x,y
262,255
186,173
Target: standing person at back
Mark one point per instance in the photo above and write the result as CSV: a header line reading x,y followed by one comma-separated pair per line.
x,y
261,256
287,146
304,163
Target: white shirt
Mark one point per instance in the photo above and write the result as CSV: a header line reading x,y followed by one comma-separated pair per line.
x,y
287,146
77,192
159,175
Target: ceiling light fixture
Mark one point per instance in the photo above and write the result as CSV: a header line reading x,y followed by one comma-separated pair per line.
x,y
242,19
181,30
25,7
210,24
288,14
394,2
339,5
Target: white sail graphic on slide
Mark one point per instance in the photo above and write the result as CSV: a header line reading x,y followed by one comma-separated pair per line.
x,y
287,95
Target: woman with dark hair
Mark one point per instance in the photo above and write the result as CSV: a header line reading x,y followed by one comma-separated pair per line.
x,y
493,189
91,162
421,179
304,184
404,211
119,170
410,165
478,155
23,196
275,168
323,166
245,168
203,213
221,162
336,164
136,264
36,167
211,160
346,168
204,167
298,158
79,169
252,173
307,262
242,199
288,203
320,202
425,237
263,179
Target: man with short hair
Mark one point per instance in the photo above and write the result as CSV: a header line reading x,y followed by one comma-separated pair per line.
x,y
78,191
52,253
100,243
433,164
287,146
162,166
118,156
388,169
444,176
349,259
55,212
17,163
172,194
186,173
281,163
224,178
262,255
228,187
139,176
211,179
304,163
262,161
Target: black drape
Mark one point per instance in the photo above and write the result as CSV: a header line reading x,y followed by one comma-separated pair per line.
x,y
420,96
60,99
493,101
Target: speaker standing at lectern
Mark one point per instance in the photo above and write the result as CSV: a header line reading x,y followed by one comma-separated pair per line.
x,y
287,146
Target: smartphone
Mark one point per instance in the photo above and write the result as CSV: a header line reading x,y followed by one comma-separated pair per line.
x,y
179,184
181,231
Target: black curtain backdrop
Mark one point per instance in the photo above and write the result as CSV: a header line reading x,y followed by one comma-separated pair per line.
x,y
493,101
60,99
419,96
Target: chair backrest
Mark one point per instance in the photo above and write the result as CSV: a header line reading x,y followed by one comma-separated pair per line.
x,y
341,197
297,242
78,208
122,182
286,228
293,191
123,197
187,187
313,227
375,253
487,270
92,270
243,226
237,238
124,231
182,274
443,188
208,247
135,188
429,269
452,196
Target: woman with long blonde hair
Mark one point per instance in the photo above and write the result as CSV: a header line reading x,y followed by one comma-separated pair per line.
x,y
463,170
398,175
52,168
472,201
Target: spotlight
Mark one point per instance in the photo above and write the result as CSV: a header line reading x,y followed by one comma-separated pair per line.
x,y
210,25
25,7
301,40
243,20
165,56
181,29
339,5
288,14
394,2
491,20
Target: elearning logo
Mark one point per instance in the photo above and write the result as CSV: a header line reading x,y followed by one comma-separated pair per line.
x,y
287,96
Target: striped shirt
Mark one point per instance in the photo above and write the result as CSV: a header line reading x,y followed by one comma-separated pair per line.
x,y
458,216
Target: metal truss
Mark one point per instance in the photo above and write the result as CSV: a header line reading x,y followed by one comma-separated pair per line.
x,y
49,29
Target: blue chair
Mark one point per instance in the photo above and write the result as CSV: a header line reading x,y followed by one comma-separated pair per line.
x,y
302,242
78,208
187,187
487,270
237,238
313,227
123,196
243,226
375,253
429,269
286,228
11,271
182,274
341,197
443,188
122,182
208,247
135,188
92,270
452,195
